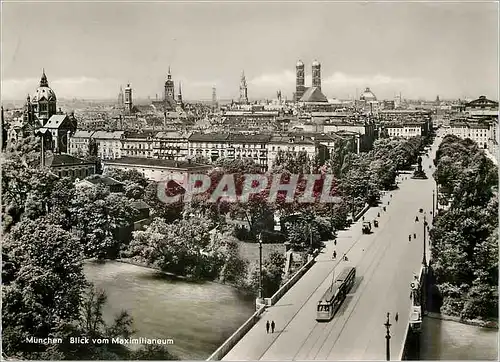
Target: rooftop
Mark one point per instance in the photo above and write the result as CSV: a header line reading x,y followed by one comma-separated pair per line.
x,y
155,163
54,160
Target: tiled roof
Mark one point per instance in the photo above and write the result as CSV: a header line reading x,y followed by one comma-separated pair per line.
x,y
140,205
313,94
55,121
169,134
104,180
64,160
141,135
154,162
116,135
211,137
83,134
249,138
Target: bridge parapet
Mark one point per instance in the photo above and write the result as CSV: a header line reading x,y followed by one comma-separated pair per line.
x,y
289,284
236,336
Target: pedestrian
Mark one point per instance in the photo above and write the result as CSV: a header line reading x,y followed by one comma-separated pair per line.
x,y
416,218
334,256
409,237
363,218
396,317
267,326
335,242
272,326
414,236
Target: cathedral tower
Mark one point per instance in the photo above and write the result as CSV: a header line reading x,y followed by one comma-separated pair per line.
x,y
316,74
128,98
169,87
179,96
121,102
300,80
243,89
44,101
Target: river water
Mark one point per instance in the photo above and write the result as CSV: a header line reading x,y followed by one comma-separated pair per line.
x,y
197,316
449,340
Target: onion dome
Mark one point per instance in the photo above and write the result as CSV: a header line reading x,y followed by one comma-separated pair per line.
x,y
316,63
300,64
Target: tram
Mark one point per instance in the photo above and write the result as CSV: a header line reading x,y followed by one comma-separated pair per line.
x,y
335,295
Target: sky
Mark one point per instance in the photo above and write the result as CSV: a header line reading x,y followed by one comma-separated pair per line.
x,y
89,49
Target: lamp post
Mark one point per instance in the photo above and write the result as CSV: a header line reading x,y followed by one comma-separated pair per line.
x,y
387,325
424,259
260,266
433,205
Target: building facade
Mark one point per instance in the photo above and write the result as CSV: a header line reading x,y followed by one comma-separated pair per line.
x,y
157,170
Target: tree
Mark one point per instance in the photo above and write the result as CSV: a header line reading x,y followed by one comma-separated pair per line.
x,y
42,279
272,275
97,216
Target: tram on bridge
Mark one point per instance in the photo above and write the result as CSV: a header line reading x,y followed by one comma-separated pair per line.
x,y
335,295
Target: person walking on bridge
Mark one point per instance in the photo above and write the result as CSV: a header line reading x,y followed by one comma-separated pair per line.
x,y
272,326
267,326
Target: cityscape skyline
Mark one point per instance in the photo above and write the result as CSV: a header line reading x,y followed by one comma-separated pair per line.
x,y
382,46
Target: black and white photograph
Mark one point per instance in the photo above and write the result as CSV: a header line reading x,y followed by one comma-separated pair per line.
x,y
249,180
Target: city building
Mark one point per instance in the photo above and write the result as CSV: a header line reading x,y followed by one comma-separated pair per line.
x,y
170,145
479,132
64,165
405,129
110,183
79,143
138,144
109,145
157,170
482,107
364,128
294,143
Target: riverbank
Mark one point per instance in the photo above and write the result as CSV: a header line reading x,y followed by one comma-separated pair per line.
x,y
471,322
199,317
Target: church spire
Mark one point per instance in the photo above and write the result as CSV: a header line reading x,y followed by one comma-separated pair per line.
x,y
43,80
169,74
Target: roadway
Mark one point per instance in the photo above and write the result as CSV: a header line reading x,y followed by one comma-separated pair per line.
x,y
385,261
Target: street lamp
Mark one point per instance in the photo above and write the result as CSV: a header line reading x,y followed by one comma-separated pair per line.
x,y
424,259
260,266
433,207
387,325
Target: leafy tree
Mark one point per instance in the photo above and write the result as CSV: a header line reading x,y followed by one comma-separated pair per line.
x,y
97,216
273,270
42,280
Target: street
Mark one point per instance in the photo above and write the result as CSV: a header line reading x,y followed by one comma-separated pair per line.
x,y
386,262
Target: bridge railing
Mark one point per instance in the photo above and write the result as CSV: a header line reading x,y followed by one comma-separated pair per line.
x,y
236,336
421,278
289,284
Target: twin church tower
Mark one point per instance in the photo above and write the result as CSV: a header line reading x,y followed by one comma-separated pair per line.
x,y
300,87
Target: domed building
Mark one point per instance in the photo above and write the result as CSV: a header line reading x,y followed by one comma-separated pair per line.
x,y
368,96
44,101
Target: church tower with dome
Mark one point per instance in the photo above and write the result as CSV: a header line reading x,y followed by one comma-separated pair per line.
x,y
300,80
169,94
44,101
316,74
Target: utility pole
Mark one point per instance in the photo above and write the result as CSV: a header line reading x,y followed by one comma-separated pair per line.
x,y
387,325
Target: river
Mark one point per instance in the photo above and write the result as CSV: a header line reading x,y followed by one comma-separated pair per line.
x,y
449,340
197,316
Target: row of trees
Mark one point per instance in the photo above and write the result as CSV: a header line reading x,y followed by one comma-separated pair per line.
x,y
49,228
465,236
